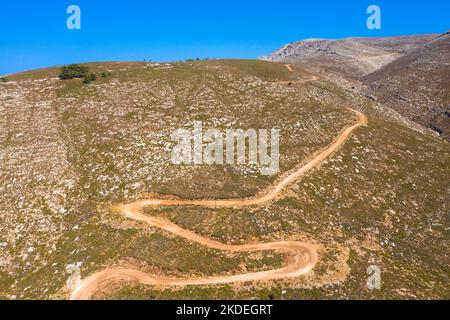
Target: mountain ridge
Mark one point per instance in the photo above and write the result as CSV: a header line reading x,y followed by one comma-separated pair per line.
x,y
407,74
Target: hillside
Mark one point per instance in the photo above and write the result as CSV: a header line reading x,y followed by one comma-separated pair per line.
x,y
352,57
417,85
75,158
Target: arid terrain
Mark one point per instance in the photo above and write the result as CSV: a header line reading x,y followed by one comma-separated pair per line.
x,y
408,74
353,57
417,85
91,205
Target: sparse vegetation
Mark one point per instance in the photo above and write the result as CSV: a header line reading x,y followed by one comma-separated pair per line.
x,y
89,77
381,199
3,79
73,71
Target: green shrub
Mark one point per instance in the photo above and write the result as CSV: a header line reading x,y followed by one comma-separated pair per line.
x,y
89,77
4,79
73,71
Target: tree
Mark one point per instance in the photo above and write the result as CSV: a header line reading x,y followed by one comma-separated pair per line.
x,y
73,71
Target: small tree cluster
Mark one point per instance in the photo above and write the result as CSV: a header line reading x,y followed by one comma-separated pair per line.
x,y
89,77
73,71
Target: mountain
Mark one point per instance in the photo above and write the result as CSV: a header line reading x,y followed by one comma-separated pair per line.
x,y
409,75
354,189
417,85
352,57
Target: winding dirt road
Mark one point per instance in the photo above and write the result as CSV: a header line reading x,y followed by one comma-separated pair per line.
x,y
298,81
302,256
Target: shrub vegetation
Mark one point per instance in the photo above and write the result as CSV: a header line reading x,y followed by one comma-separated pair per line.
x,y
73,71
89,77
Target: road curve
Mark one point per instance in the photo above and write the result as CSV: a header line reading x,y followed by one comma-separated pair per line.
x,y
289,67
302,256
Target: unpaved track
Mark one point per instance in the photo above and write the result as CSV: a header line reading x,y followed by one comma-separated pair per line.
x,y
300,81
271,193
289,67
302,256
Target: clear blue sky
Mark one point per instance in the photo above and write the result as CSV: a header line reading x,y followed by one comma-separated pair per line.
x,y
34,33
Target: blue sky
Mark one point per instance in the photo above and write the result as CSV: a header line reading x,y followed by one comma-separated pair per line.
x,y
34,33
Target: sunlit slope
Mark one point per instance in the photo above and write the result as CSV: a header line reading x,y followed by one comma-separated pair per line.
x,y
71,151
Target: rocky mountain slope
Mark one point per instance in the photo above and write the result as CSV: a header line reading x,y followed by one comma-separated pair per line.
x,y
354,57
71,152
409,76
417,85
